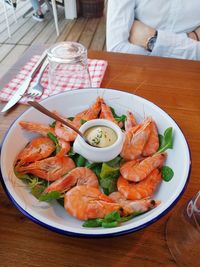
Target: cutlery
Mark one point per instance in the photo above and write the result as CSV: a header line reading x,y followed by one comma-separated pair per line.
x,y
23,87
38,89
50,114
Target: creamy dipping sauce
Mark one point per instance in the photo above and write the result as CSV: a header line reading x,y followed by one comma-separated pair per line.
x,y
101,136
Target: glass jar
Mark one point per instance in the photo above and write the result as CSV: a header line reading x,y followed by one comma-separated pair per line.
x,y
183,233
68,67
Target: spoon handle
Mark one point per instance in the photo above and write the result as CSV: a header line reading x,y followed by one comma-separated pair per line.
x,y
42,109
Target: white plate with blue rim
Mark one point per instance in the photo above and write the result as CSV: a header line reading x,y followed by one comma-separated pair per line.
x,y
52,215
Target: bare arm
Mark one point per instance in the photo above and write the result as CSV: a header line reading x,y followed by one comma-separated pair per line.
x,y
179,45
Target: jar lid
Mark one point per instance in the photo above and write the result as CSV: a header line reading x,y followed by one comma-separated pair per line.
x,y
67,52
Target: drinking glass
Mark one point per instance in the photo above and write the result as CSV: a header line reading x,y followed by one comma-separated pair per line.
x,y
183,233
68,67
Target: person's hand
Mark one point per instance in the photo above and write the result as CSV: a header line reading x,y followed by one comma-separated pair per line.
x,y
193,36
140,33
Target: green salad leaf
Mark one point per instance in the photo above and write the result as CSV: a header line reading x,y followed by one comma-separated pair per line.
x,y
110,224
35,184
166,141
113,219
107,173
108,178
113,216
23,176
53,124
70,118
55,140
167,173
80,161
82,121
117,117
95,167
71,153
131,216
93,223
50,196
37,190
114,162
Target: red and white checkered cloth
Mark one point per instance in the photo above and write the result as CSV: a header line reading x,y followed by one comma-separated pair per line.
x,y
96,68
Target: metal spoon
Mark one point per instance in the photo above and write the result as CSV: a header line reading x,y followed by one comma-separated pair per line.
x,y
50,114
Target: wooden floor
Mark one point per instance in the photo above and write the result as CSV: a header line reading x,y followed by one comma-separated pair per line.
x,y
27,31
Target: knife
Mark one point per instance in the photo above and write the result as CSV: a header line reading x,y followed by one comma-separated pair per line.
x,y
23,87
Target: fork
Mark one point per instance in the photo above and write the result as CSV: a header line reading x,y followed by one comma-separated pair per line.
x,y
37,90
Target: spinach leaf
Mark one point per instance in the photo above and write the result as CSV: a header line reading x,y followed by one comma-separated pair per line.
x,y
50,196
121,118
114,162
37,190
109,185
95,167
117,117
167,173
108,178
35,184
108,171
70,118
113,219
110,224
52,137
53,124
93,223
131,216
71,153
82,121
166,141
80,161
113,216
26,178
161,140
55,140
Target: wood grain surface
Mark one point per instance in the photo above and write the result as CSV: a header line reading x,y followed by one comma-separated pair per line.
x,y
169,83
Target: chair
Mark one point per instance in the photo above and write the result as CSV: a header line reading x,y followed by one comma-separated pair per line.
x,y
6,15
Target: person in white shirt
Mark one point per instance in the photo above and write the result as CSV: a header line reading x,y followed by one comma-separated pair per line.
x,y
167,28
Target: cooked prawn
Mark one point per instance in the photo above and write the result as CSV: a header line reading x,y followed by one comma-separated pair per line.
x,y
39,148
130,121
89,114
131,206
153,142
140,190
65,132
86,202
137,171
65,147
78,117
78,176
135,140
106,113
36,127
49,169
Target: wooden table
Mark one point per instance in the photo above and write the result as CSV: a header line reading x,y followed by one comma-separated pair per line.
x,y
171,84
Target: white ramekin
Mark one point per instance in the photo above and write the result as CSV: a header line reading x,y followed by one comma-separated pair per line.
x,y
97,154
